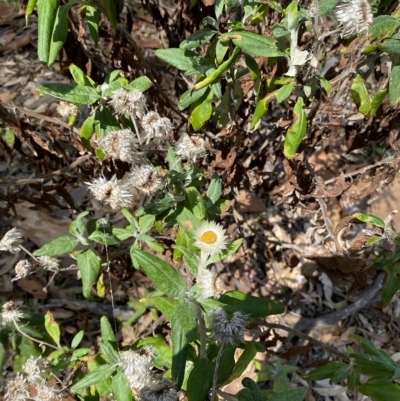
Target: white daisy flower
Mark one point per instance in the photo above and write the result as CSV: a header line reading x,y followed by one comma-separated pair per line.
x,y
355,16
210,238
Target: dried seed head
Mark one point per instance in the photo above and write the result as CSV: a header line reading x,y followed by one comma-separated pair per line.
x,y
137,366
66,109
225,329
11,240
210,238
22,269
355,16
158,390
121,145
145,178
49,263
10,313
111,192
34,368
191,148
129,103
209,284
17,389
46,393
156,128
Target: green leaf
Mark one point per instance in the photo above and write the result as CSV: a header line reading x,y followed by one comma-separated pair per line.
x,y
155,246
244,360
165,305
184,60
108,352
99,375
252,306
200,111
59,31
254,44
284,92
80,77
326,371
166,278
70,93
297,394
104,236
52,328
77,228
383,25
325,84
353,380
47,12
198,38
392,283
59,246
296,132
93,20
381,390
77,339
360,95
105,122
121,387
89,268
196,202
221,49
377,101
324,6
142,84
394,86
369,218
29,9
184,331
146,223
189,97
214,190
163,356
174,161
230,249
390,46
107,332
373,365
200,380
86,132
250,392
157,207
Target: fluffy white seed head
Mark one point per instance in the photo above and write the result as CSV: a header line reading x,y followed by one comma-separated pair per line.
x,y
355,16
49,263
121,145
191,148
157,128
46,393
66,109
17,389
10,313
11,240
210,238
35,368
111,192
209,284
145,178
226,329
128,103
22,269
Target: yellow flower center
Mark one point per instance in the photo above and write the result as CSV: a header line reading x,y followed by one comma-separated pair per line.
x,y
209,237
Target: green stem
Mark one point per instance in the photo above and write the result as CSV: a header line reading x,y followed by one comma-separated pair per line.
x,y
218,72
34,339
217,362
203,335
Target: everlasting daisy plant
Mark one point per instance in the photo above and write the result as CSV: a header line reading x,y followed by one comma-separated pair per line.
x,y
210,238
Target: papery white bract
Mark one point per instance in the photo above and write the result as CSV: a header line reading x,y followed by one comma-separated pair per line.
x,y
145,178
210,238
157,128
355,16
190,147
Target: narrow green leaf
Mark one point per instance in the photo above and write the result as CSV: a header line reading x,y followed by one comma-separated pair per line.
x,y
121,387
89,268
77,339
107,332
80,77
141,84
369,218
108,352
163,356
93,20
200,111
196,202
383,25
284,92
184,331
70,93
86,132
59,246
296,394
200,380
326,371
184,60
47,12
381,390
324,6
105,122
52,327
244,360
189,97
198,38
360,95
29,9
146,223
394,86
214,190
377,101
230,249
155,246
373,365
157,207
99,375
104,237
296,132
252,306
77,228
165,305
166,278
254,44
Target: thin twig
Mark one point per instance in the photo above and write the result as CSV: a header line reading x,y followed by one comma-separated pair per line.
x,y
34,339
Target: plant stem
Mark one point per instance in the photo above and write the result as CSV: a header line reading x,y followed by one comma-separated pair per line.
x,y
203,335
34,339
217,361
